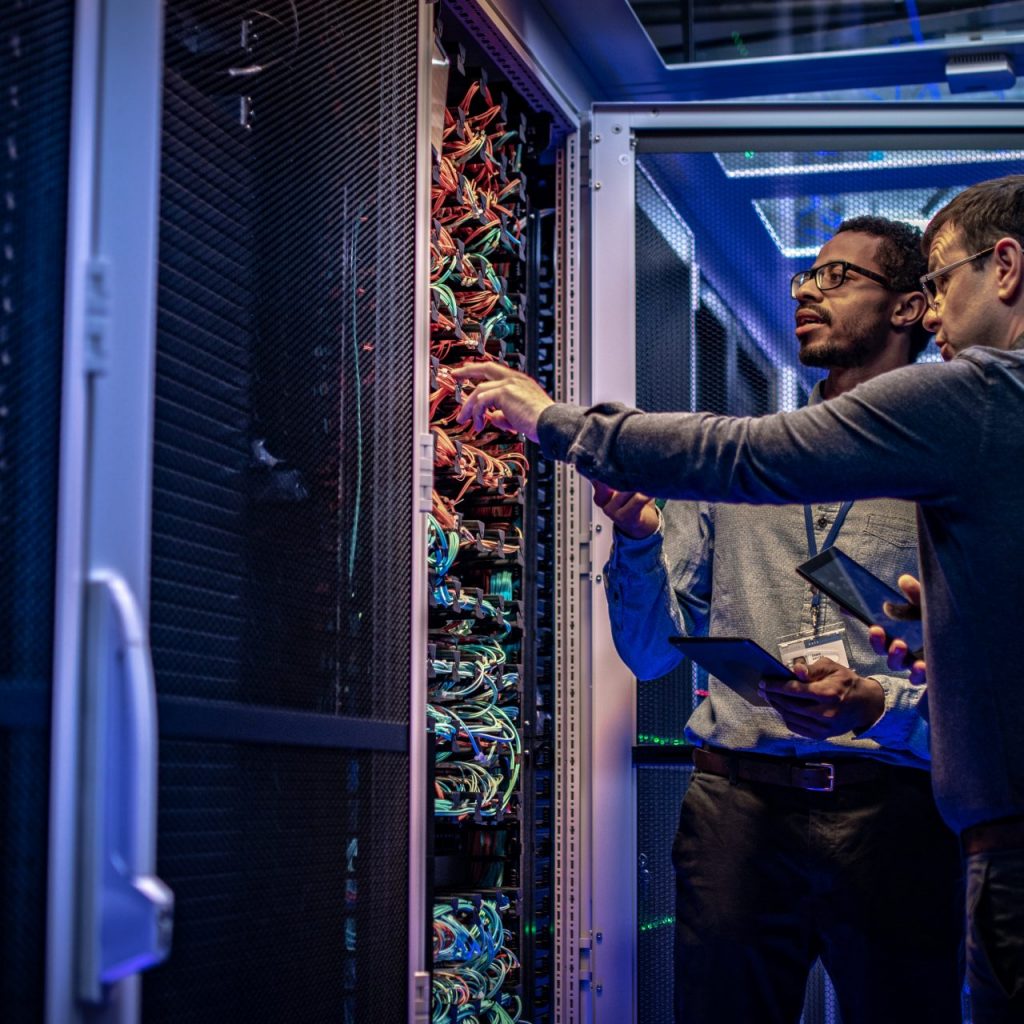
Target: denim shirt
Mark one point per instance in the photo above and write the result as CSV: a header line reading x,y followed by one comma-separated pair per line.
x,y
728,570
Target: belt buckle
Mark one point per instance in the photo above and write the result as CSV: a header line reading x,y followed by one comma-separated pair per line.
x,y
830,784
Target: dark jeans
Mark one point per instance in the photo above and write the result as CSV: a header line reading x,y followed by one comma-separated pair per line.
x,y
770,878
995,936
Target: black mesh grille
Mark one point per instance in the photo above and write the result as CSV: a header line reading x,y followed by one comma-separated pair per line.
x,y
663,335
282,478
23,802
660,791
290,878
35,95
668,332
282,500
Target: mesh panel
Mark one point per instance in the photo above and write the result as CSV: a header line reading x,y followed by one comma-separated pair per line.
x,y
23,804
660,791
282,479
667,327
290,880
282,500
663,304
35,91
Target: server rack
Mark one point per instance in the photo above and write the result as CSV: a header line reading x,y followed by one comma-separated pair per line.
x,y
254,487
491,540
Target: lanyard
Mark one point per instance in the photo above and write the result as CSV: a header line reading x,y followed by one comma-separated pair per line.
x,y
830,539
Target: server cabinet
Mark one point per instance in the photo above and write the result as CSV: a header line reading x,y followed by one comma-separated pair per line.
x,y
234,575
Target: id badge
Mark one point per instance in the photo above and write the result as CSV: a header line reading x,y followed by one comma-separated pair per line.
x,y
806,650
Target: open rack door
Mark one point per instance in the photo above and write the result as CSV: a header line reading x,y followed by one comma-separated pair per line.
x,y
701,214
283,486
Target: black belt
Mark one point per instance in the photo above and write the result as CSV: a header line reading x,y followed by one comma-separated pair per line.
x,y
1005,834
815,776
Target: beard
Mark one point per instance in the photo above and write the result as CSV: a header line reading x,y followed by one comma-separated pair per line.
x,y
828,353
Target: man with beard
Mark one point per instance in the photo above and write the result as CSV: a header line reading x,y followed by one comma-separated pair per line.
x,y
773,870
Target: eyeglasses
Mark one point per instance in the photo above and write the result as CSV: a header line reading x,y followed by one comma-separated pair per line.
x,y
932,284
831,275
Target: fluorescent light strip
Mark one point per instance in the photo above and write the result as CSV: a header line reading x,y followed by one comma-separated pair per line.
x,y
894,212
923,158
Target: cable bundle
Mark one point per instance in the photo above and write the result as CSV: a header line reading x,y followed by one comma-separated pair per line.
x,y
476,245
476,249
475,544
472,671
480,788
472,964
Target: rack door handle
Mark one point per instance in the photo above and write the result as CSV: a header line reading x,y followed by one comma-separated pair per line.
x,y
126,914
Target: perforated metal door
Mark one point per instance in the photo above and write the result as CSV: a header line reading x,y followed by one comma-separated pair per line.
x,y
282,504
35,99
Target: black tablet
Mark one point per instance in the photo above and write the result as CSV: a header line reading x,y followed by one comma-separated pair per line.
x,y
736,661
862,594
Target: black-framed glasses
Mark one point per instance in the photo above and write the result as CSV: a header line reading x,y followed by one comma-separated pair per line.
x,y
932,284
831,275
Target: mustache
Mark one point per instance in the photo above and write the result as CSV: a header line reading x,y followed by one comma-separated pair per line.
x,y
819,311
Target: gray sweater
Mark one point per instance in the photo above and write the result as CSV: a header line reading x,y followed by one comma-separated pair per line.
x,y
951,438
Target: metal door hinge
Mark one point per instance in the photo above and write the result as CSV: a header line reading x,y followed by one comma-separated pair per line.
x,y
421,997
97,315
425,472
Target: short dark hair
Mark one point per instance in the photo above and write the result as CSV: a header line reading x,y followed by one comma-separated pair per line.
x,y
982,214
902,259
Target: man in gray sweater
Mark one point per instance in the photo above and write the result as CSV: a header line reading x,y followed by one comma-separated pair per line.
x,y
762,887
945,436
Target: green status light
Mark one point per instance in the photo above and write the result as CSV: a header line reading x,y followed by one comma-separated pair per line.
x,y
658,922
662,741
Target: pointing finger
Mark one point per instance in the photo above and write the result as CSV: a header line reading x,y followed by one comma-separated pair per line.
x,y
481,371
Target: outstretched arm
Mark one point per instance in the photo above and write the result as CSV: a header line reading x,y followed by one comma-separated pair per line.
x,y
888,437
